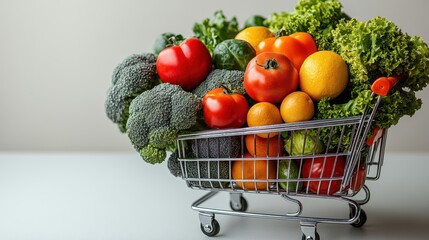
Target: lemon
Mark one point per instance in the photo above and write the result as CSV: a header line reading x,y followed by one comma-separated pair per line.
x,y
323,74
254,35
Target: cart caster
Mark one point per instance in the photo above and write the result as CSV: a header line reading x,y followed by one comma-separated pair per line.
x,y
212,229
310,238
309,231
239,206
361,220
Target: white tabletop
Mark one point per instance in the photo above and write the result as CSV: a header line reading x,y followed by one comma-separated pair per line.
x,y
118,196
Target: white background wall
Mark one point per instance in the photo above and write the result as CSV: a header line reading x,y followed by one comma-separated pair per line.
x,y
57,56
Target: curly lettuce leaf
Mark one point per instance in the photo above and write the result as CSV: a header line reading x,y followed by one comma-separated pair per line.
x,y
377,48
213,31
317,17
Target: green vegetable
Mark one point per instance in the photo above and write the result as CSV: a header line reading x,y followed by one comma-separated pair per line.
x,y
232,79
156,118
289,170
303,142
373,49
255,20
233,54
214,31
173,165
166,40
317,17
136,74
222,147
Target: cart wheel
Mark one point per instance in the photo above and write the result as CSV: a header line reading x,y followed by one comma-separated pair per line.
x,y
361,220
310,238
239,207
211,230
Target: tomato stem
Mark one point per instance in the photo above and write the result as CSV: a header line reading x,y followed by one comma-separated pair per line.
x,y
269,64
227,89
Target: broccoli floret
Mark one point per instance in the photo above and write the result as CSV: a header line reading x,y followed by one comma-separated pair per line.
x,y
231,79
136,74
173,165
164,137
221,147
156,118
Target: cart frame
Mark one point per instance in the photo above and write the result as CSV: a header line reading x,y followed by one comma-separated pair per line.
x,y
373,156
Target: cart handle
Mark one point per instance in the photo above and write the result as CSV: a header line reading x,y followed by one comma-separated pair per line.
x,y
383,85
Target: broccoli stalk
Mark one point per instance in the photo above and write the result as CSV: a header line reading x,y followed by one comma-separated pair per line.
x,y
136,74
156,118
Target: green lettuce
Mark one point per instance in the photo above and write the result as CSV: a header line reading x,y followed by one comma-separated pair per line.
x,y
303,142
317,17
213,31
373,49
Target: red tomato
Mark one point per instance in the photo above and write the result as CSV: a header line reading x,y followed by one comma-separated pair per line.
x,y
186,65
265,45
224,110
292,48
306,40
322,167
269,77
297,47
358,178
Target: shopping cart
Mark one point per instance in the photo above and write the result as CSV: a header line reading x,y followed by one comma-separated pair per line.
x,y
334,173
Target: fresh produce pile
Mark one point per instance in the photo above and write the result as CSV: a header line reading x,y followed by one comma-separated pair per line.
x,y
315,62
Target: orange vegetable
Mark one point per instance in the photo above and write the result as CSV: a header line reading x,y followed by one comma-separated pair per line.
x,y
383,85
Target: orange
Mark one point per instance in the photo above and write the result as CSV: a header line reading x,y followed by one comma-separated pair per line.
x,y
323,74
264,113
254,35
248,169
296,107
264,147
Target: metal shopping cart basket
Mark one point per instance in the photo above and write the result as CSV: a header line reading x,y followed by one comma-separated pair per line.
x,y
332,173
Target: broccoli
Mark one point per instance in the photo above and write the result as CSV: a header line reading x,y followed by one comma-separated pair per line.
x,y
136,74
173,165
221,147
231,79
156,118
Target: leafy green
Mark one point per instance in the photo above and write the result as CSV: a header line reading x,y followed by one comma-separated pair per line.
x,y
303,142
373,49
317,17
233,54
213,31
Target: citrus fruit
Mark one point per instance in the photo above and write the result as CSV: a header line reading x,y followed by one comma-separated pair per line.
x,y
296,107
264,147
264,113
248,169
323,74
254,35
289,172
